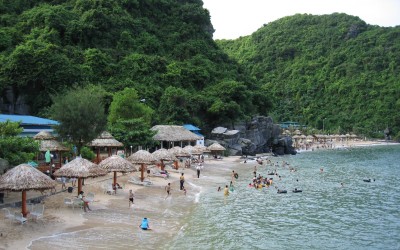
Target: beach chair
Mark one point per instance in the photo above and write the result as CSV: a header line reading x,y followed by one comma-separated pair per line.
x,y
110,189
37,211
77,202
90,197
135,180
68,202
18,217
157,173
8,215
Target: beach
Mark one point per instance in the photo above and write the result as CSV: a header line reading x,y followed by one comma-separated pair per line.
x,y
113,221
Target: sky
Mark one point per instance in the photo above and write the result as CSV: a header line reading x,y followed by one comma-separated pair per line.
x,y
234,18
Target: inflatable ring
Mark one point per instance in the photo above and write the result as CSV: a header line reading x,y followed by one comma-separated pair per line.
x,y
236,175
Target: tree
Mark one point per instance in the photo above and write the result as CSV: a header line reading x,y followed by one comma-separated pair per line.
x,y
133,132
15,149
81,115
127,105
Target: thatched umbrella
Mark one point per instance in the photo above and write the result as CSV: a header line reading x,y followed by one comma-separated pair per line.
x,y
49,143
105,140
23,178
141,157
216,147
162,155
116,163
201,148
80,168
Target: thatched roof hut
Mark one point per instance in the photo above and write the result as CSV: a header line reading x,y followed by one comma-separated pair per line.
x,y
201,148
174,133
179,152
216,147
25,177
44,135
105,140
116,163
163,154
80,168
142,157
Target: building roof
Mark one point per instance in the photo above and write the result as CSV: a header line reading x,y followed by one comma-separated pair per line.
x,y
173,133
27,119
191,127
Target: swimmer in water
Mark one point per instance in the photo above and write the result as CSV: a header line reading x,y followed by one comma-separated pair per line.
x,y
226,190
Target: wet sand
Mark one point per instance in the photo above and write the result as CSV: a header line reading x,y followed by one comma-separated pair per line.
x,y
112,223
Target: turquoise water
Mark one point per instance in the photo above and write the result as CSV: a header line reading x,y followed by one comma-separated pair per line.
x,y
325,215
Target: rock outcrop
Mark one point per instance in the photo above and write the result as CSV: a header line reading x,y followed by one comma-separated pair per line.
x,y
260,135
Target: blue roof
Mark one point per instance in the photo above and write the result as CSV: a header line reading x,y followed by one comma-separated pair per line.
x,y
27,119
191,127
197,133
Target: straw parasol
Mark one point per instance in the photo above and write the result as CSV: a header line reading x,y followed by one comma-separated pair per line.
x,y
188,148
23,178
216,147
116,163
105,140
80,168
179,152
141,157
162,155
201,148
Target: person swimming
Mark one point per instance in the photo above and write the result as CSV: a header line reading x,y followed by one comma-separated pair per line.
x,y
226,190
297,190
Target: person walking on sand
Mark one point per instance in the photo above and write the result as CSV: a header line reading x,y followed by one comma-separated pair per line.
x,y
181,180
131,197
198,168
168,189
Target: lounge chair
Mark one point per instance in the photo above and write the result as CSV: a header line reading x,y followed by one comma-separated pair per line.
x,y
68,202
157,173
37,211
90,197
137,181
77,202
18,217
8,215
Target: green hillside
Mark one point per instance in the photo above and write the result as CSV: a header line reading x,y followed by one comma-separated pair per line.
x,y
162,48
333,67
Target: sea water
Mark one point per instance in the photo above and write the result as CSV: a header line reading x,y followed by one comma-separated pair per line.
x,y
359,215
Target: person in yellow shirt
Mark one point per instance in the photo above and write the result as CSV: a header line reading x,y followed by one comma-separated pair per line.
x,y
226,190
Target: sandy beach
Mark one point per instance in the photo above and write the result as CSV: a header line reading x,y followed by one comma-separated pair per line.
x,y
111,213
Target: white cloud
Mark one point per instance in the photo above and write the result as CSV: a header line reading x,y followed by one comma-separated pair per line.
x,y
235,18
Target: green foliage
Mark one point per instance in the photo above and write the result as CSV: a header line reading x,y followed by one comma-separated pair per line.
x,y
87,153
15,149
80,112
133,132
126,105
331,66
49,47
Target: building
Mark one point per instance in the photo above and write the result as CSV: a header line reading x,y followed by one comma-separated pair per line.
x,y
195,130
31,124
170,136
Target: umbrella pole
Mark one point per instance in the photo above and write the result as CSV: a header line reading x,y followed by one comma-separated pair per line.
x,y
142,173
98,155
24,211
162,165
79,185
115,178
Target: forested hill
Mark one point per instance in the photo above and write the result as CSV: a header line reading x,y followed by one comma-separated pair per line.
x,y
333,67
162,48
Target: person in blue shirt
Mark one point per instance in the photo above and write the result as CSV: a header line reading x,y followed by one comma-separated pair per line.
x,y
145,224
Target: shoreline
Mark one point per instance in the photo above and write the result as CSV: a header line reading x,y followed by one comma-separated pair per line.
x,y
167,216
